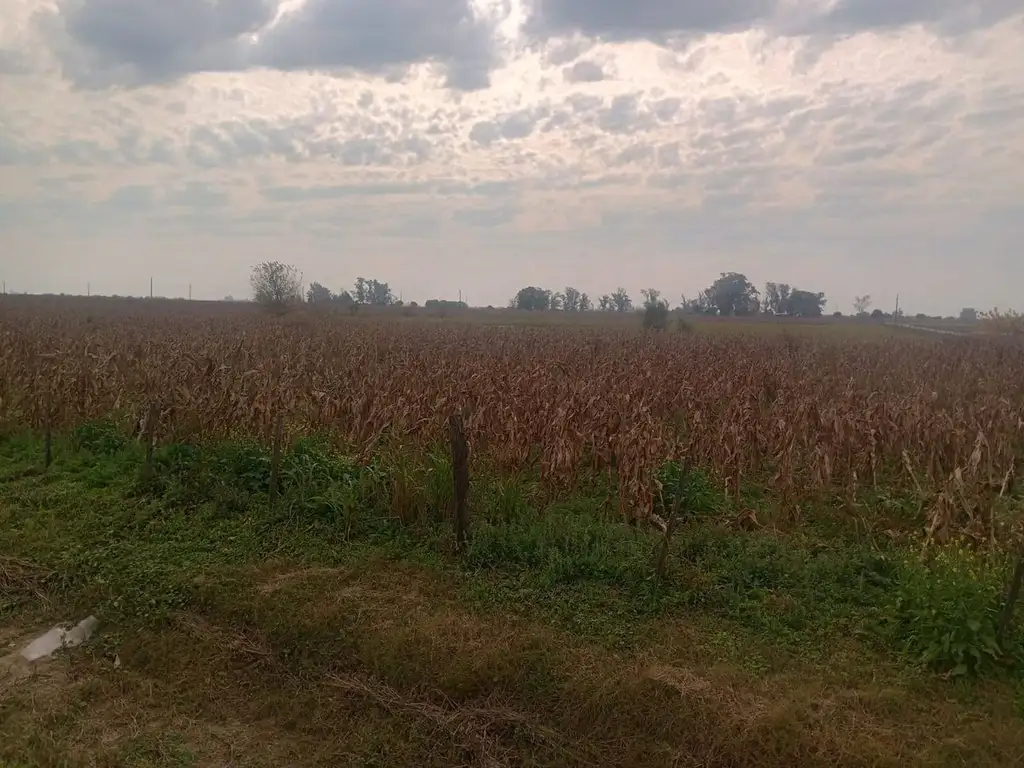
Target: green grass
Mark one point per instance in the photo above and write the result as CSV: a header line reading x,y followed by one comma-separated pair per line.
x,y
341,626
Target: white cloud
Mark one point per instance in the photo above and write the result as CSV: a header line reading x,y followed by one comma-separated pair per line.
x,y
852,146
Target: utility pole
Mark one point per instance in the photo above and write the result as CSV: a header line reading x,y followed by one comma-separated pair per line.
x,y
151,287
896,314
88,289
190,291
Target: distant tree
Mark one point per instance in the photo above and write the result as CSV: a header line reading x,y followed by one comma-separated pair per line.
x,y
656,313
877,314
702,305
805,303
968,315
372,292
276,285
620,300
532,298
837,313
361,294
558,301
380,294
776,299
861,304
572,299
652,298
733,294
605,303
318,294
444,304
586,305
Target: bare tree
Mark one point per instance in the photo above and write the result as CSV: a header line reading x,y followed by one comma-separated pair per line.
x,y
276,285
861,304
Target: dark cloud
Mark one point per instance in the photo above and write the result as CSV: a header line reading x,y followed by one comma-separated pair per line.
x,y
135,42
14,62
15,152
584,71
486,217
946,16
563,51
654,19
375,35
197,194
132,198
290,194
666,20
512,126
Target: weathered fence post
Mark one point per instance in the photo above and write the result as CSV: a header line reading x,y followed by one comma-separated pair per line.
x,y
275,460
460,479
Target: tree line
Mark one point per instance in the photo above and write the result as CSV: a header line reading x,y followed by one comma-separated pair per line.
x,y
276,284
730,295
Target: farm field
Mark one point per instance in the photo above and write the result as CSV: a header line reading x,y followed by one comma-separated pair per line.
x,y
746,543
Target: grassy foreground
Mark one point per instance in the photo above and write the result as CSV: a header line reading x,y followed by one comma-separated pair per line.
x,y
341,628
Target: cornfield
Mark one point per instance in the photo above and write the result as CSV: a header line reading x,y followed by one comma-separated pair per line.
x,y
939,420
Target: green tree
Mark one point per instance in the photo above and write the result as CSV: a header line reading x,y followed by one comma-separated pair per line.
x,y
532,298
776,298
372,292
652,297
318,294
620,300
732,294
572,301
276,285
805,303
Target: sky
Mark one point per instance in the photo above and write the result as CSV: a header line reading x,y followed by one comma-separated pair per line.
x,y
846,146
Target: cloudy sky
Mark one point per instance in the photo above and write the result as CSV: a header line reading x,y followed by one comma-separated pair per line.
x,y
848,146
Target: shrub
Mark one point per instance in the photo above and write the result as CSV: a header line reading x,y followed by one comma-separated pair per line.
x,y
945,613
656,316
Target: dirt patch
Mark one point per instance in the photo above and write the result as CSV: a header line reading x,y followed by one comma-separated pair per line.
x,y
279,581
22,578
743,706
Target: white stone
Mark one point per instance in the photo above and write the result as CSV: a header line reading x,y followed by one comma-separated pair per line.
x,y
57,637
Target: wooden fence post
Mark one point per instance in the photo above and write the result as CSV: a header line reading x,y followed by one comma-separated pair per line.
x,y
275,460
460,479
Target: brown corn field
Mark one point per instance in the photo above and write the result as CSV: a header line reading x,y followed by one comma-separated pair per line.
x,y
942,420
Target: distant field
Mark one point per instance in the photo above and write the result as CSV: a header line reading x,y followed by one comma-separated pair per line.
x,y
751,542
